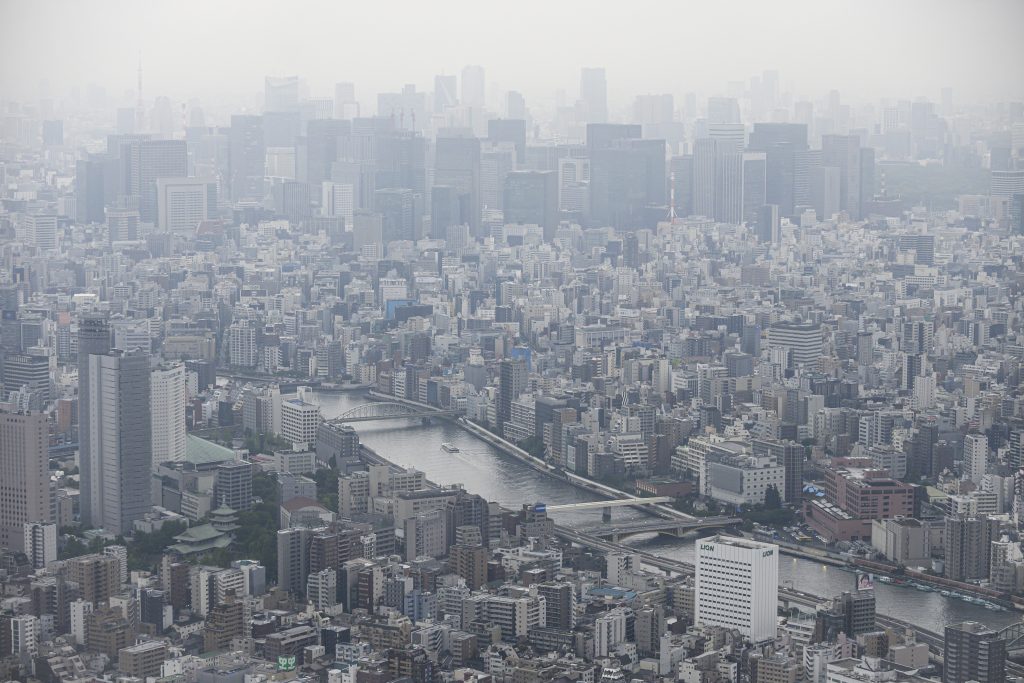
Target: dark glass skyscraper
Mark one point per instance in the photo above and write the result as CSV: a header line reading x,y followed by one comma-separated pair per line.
x,y
531,197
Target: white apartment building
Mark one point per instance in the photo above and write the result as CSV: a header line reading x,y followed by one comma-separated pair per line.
x,y
168,395
299,421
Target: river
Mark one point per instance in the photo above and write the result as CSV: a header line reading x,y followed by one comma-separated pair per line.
x,y
496,476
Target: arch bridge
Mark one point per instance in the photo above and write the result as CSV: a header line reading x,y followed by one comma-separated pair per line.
x,y
390,410
1014,637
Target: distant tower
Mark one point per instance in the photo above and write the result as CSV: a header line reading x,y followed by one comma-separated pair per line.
x,y
139,114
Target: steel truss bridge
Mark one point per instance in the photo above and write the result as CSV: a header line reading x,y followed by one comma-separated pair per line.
x,y
670,527
388,410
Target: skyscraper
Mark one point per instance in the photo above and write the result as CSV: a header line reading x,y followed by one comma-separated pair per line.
x,y
120,433
627,176
90,174
738,585
444,210
473,86
246,157
396,209
781,143
445,92
512,383
145,162
281,93
93,339
457,164
843,152
531,197
323,142
509,130
594,94
24,475
167,388
704,156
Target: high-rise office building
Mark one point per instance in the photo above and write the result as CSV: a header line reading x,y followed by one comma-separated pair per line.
x,y
446,92
444,210
843,152
457,165
232,485
324,142
738,585
627,176
1006,184
40,539
782,144
396,208
512,382
121,447
825,184
531,197
769,227
29,370
338,199
24,475
515,105
168,396
705,153
182,203
473,86
345,104
509,130
728,203
497,160
802,341
94,338
867,179
281,93
146,161
246,157
973,652
754,186
594,94
90,181
790,455
41,230
975,457
122,224
723,110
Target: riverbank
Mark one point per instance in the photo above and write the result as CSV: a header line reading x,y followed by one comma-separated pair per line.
x,y
485,469
545,468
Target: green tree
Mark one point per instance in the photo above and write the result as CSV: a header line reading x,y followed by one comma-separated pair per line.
x,y
327,487
772,499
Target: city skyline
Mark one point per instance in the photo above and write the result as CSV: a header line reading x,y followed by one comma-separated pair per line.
x,y
460,343
539,49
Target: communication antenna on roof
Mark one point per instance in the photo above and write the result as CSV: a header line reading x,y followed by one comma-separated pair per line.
x,y
138,105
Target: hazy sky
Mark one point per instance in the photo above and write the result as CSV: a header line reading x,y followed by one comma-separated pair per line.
x,y
867,49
